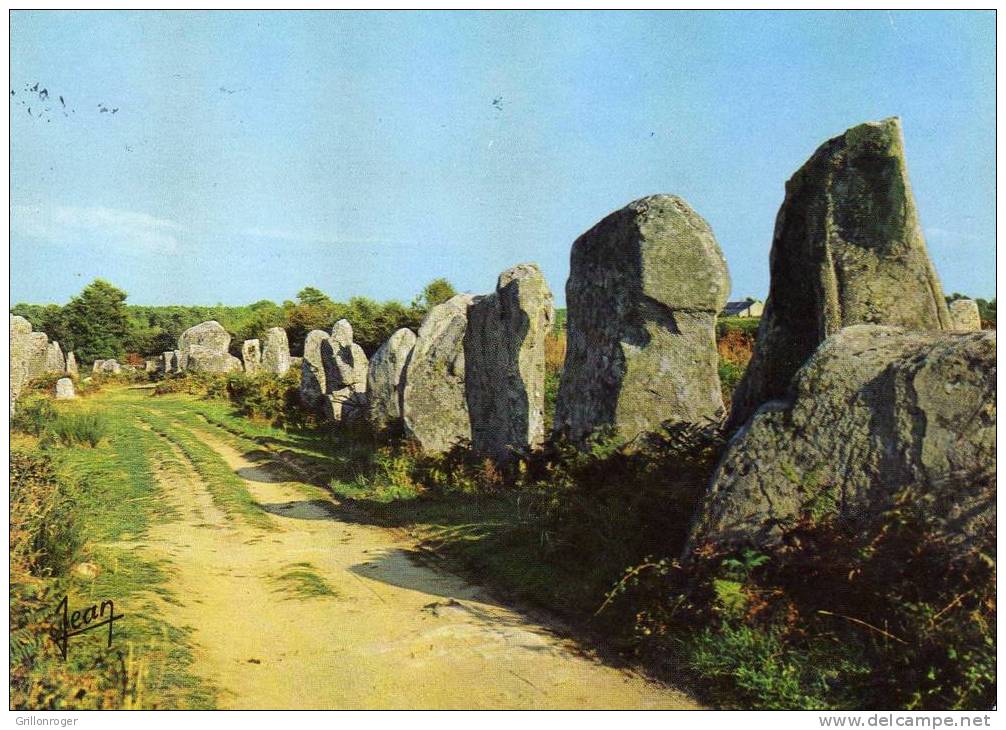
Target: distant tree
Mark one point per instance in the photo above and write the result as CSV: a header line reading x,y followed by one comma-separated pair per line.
x,y
436,292
314,297
97,323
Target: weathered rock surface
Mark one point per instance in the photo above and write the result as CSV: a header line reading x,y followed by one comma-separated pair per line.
x,y
251,355
64,389
644,289
964,316
276,351
152,364
386,381
108,367
209,335
54,360
204,348
847,249
875,411
434,406
208,360
71,365
345,365
312,370
24,356
169,362
504,348
36,351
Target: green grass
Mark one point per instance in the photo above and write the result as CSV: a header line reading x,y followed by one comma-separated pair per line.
x,y
116,499
227,489
300,580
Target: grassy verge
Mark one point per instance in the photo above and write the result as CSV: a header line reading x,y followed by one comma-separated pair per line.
x,y
110,498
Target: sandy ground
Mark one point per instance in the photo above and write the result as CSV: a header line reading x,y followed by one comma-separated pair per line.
x,y
397,634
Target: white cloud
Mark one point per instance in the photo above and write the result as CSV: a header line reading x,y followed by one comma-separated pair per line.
x,y
122,228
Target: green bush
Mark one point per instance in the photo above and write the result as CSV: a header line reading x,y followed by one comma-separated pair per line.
x,y
832,619
270,398
83,429
747,326
34,415
43,535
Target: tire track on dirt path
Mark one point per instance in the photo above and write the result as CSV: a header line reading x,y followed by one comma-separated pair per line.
x,y
391,634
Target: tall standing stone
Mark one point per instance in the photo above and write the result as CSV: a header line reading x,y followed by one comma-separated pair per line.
x,y
644,289
37,354
345,365
251,356
847,250
20,353
434,407
71,365
505,364
312,370
276,351
169,362
55,363
964,316
386,380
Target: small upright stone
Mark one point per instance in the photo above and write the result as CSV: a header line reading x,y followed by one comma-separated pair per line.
x,y
276,351
251,356
71,365
434,407
964,315
386,380
64,389
644,288
847,249
505,364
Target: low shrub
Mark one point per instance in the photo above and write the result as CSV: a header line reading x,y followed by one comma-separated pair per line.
x,y
83,429
34,415
43,538
829,620
270,398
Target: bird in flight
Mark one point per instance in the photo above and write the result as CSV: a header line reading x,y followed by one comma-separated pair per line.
x,y
498,103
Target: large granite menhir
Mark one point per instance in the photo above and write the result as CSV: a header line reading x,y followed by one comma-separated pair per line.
x,y
644,289
504,348
434,406
276,351
204,348
386,381
847,250
875,411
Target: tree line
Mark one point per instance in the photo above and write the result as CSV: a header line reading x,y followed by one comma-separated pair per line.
x,y
98,323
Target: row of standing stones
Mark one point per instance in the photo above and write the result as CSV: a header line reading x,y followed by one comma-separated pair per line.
x,y
863,382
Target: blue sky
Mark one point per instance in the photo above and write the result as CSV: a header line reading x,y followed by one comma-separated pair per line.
x,y
253,154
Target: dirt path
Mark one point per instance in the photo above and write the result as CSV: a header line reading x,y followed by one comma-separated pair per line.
x,y
391,633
